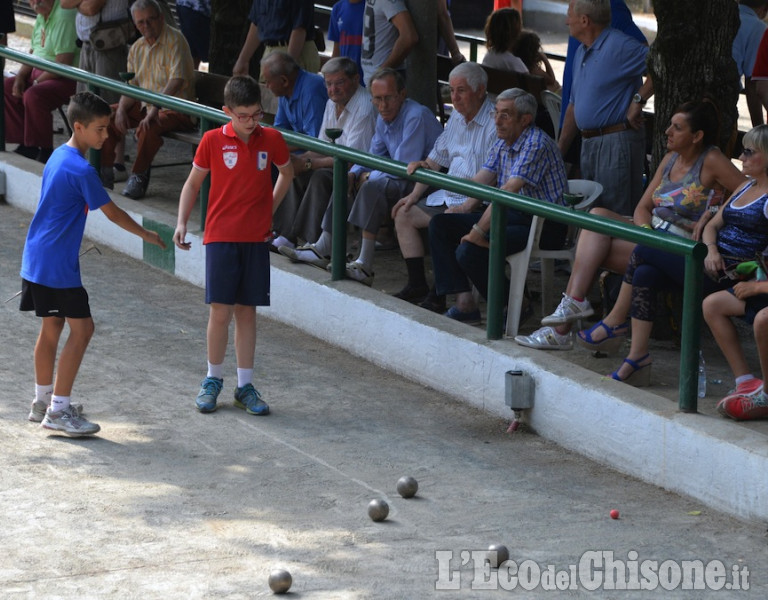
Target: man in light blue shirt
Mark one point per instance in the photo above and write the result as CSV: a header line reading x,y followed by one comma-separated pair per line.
x,y
745,45
405,131
606,105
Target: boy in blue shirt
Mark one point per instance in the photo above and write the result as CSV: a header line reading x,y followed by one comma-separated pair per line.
x,y
50,269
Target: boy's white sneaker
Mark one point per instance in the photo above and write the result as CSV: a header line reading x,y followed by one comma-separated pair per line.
x,y
69,423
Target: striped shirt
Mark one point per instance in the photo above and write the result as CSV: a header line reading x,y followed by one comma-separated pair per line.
x,y
533,157
461,149
169,58
357,121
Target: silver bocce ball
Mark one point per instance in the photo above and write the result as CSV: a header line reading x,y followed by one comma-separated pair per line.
x,y
378,510
407,487
280,581
497,554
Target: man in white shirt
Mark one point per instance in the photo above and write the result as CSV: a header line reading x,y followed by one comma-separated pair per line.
x,y
461,148
350,109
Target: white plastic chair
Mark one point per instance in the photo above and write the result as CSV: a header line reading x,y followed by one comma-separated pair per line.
x,y
553,103
519,262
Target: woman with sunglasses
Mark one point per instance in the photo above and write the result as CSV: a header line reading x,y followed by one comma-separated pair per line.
x,y
691,178
736,233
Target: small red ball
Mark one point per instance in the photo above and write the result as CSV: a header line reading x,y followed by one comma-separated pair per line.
x,y
614,514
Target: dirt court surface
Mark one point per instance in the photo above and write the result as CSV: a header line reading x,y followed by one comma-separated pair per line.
x,y
168,503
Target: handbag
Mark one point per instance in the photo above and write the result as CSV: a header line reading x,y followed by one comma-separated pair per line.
x,y
109,35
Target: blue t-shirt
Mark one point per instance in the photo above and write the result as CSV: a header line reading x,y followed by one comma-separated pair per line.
x,y
71,187
621,19
346,29
303,111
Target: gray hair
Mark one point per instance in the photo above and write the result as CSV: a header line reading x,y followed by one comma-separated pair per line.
x,y
525,103
144,5
475,75
388,72
342,64
599,11
757,137
280,64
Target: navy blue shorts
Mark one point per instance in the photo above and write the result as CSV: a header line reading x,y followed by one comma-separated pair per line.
x,y
237,273
67,303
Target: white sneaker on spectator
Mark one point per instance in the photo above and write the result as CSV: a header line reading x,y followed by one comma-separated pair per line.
x,y
546,338
569,310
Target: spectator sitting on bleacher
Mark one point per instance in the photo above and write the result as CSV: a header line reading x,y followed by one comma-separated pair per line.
x,y
748,300
389,35
162,63
405,131
524,160
691,178
461,148
349,108
345,30
287,25
528,49
32,95
301,94
502,28
734,235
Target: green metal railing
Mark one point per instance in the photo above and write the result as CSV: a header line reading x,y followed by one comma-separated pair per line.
x,y
693,252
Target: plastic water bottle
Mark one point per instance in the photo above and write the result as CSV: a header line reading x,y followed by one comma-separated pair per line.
x,y
702,376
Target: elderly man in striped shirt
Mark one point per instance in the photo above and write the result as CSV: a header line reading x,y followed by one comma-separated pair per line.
x,y
461,148
524,160
162,63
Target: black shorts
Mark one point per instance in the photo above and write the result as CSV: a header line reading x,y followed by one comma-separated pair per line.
x,y
753,305
237,273
67,303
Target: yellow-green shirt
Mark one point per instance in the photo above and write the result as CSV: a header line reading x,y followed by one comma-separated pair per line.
x,y
56,34
169,58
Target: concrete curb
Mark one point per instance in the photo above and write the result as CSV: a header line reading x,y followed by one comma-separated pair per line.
x,y
633,431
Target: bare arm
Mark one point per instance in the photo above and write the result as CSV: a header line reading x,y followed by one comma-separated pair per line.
x,y
252,41
122,219
754,102
635,112
644,208
187,200
445,27
567,131
282,184
482,176
407,39
514,185
296,42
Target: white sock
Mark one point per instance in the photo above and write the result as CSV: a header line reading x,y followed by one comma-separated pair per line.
x,y
744,378
59,403
44,393
216,371
244,376
367,250
324,244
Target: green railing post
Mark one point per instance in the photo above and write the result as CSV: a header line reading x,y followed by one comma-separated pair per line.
x,y
496,258
690,330
339,246
2,118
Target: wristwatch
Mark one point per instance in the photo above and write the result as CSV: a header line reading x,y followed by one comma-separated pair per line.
x,y
308,164
638,99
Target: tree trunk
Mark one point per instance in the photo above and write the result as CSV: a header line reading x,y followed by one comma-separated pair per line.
x,y
692,57
229,26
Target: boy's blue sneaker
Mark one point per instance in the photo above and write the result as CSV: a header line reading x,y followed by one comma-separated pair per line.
x,y
210,389
249,399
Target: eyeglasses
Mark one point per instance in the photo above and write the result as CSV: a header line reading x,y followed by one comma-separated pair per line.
x,y
501,115
749,152
248,118
383,99
336,82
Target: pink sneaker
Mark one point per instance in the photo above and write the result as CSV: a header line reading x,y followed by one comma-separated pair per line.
x,y
744,407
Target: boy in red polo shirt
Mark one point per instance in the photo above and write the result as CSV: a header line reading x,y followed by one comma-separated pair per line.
x,y
239,156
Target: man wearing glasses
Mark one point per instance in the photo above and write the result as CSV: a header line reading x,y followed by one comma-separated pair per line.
x,y
350,110
405,131
524,160
162,63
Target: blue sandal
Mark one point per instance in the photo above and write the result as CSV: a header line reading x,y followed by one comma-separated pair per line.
x,y
640,376
613,341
